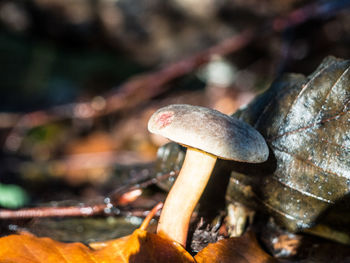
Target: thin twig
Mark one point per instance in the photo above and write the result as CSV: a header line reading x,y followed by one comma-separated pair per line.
x,y
52,212
115,195
150,215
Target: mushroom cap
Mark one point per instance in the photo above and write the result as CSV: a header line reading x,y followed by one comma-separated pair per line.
x,y
210,131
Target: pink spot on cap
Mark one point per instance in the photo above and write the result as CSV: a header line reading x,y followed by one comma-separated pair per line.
x,y
164,119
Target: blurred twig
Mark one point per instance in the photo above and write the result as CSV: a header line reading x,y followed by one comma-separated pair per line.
x,y
53,211
71,211
115,196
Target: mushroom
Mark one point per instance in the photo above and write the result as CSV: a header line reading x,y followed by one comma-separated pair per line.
x,y
208,135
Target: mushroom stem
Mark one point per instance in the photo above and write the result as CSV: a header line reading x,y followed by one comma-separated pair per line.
x,y
184,195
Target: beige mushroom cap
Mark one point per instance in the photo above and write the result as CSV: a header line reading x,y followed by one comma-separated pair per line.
x,y
210,131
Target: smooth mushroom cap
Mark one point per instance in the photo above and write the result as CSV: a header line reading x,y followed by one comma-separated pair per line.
x,y
211,131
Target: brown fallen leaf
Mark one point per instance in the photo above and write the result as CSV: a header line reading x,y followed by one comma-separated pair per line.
x,y
141,246
147,247
138,247
244,249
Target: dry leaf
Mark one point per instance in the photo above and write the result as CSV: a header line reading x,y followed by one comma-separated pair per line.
x,y
141,246
138,247
244,249
306,122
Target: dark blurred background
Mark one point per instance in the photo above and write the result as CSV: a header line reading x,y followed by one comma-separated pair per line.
x,y
54,52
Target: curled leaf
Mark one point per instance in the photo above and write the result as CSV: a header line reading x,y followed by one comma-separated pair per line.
x,y
306,122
